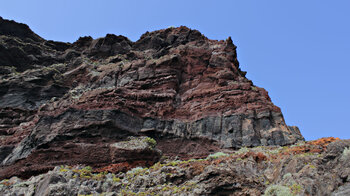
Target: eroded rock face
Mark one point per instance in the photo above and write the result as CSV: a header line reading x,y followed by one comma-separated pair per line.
x,y
22,49
174,85
318,167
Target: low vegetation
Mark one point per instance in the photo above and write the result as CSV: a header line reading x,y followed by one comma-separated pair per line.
x,y
249,168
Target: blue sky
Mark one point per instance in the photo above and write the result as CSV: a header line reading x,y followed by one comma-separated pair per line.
x,y
298,50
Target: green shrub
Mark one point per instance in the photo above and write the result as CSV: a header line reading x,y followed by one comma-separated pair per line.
x,y
136,171
152,142
295,188
217,155
242,150
115,179
173,163
278,190
287,175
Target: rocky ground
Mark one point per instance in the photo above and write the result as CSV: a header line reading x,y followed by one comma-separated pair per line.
x,y
320,167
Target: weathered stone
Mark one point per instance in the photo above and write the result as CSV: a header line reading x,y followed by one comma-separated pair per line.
x,y
60,101
342,190
248,171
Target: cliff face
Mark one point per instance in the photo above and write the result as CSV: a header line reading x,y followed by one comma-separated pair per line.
x,y
59,102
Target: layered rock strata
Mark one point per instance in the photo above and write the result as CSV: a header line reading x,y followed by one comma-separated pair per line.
x,y
174,85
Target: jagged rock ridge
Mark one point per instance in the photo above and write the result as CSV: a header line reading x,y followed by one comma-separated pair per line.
x,y
59,101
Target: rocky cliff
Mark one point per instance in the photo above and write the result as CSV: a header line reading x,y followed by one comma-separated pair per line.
x,y
113,105
59,101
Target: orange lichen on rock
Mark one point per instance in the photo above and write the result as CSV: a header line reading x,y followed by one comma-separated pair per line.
x,y
7,183
323,141
315,146
196,167
302,149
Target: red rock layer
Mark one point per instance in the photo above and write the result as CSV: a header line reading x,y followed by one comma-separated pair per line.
x,y
174,85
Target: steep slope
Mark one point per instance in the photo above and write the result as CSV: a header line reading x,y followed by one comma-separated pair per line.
x,y
320,167
63,103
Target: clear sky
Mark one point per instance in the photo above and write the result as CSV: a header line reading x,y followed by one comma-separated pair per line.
x,y
298,50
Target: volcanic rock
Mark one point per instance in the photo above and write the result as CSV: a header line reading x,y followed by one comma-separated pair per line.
x,y
63,103
302,169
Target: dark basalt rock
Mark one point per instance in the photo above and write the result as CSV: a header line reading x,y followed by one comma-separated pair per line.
x,y
22,49
19,30
174,85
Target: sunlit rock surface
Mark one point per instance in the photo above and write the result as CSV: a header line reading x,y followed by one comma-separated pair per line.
x,y
68,103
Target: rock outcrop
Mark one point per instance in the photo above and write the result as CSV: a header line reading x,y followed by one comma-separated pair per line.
x,y
63,103
313,168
